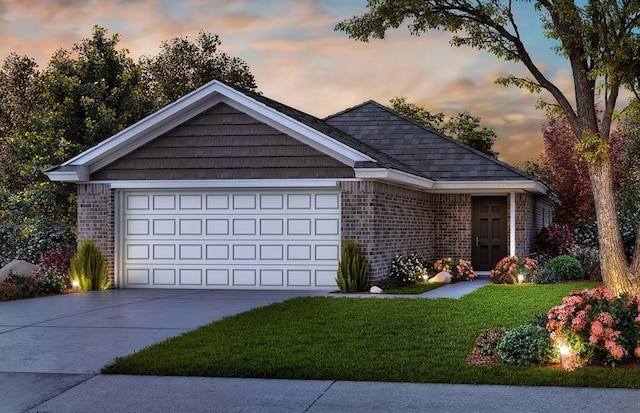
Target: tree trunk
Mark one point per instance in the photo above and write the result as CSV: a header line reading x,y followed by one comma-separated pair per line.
x,y
616,271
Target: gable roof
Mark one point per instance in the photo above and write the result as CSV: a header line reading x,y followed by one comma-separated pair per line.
x,y
377,142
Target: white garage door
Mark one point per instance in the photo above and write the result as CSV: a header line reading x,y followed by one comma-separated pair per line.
x,y
231,239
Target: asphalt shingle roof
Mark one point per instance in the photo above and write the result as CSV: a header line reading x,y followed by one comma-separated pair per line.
x,y
433,154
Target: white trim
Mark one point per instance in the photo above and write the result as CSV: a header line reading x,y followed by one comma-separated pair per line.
x,y
82,174
512,223
489,187
226,183
394,175
195,103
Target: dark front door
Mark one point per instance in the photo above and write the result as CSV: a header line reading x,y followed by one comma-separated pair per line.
x,y
489,230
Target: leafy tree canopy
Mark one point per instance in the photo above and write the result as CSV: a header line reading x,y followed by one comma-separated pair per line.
x,y
183,66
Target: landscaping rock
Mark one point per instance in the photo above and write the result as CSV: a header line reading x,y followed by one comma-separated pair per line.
x,y
375,290
17,267
441,277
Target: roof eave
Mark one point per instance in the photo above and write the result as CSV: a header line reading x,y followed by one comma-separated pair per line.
x,y
490,187
58,174
395,176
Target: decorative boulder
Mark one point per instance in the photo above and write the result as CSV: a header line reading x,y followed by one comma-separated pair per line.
x,y
375,290
17,267
441,277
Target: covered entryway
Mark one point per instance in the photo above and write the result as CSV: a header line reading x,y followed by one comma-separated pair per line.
x,y
247,239
489,232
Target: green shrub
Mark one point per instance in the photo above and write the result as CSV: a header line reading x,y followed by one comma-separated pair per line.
x,y
408,269
353,269
50,280
565,267
88,268
487,343
524,345
546,275
589,258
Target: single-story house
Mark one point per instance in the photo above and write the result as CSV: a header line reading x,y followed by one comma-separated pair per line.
x,y
225,188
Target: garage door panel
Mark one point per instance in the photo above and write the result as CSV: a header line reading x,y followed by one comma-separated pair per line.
x,y
232,239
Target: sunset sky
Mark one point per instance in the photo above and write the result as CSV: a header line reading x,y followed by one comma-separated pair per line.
x,y
298,59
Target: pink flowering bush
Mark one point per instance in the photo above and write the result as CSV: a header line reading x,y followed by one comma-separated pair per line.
x,y
508,269
597,326
460,270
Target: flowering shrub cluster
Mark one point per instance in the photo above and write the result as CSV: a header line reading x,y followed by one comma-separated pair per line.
x,y
597,325
508,269
460,270
555,239
408,269
53,272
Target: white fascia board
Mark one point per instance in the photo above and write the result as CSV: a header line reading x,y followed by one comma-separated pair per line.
x,y
396,176
80,175
195,103
489,187
224,183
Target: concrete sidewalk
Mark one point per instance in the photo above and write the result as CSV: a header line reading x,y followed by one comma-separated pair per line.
x,y
54,347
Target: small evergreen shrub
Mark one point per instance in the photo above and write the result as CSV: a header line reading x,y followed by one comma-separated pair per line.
x,y
353,269
565,267
50,280
408,269
88,268
554,240
589,258
524,345
487,343
546,275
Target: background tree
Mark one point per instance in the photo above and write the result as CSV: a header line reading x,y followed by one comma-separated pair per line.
x,y
600,40
565,171
84,96
464,128
183,66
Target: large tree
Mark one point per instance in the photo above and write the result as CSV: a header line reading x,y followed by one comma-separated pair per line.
x,y
464,127
601,41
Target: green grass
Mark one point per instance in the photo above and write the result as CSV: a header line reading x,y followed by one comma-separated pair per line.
x,y
417,288
395,339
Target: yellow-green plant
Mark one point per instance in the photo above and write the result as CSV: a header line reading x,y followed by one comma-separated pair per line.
x,y
89,268
353,269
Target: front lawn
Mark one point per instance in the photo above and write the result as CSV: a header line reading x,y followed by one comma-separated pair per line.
x,y
395,339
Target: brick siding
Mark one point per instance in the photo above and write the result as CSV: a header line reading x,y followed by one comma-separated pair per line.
x,y
96,219
386,220
451,226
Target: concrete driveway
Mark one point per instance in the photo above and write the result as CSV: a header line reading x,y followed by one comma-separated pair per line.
x,y
51,344
52,349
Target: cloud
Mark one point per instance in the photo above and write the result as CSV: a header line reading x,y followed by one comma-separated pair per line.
x,y
298,58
